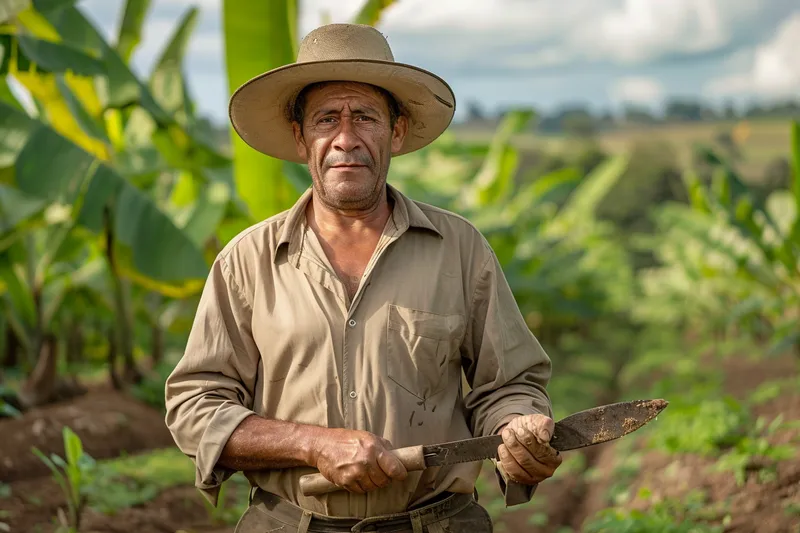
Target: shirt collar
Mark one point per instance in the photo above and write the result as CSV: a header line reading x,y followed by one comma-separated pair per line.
x,y
407,214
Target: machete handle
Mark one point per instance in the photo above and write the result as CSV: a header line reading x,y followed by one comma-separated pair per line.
x,y
315,484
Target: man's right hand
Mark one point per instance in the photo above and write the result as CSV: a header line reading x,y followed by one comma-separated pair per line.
x,y
357,460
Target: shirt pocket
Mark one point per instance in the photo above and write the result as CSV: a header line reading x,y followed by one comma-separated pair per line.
x,y
420,345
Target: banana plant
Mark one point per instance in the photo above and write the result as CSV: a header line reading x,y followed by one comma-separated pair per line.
x,y
127,160
742,254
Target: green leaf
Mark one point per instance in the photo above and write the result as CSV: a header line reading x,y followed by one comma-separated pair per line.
x,y
59,58
72,445
495,179
17,127
87,124
167,80
16,207
371,11
5,93
45,6
130,31
794,235
207,213
258,38
160,251
583,202
297,175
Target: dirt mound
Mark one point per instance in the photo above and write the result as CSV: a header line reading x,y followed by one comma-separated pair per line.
x,y
34,503
108,422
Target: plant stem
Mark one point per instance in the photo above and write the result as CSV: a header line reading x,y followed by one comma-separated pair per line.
x,y
122,304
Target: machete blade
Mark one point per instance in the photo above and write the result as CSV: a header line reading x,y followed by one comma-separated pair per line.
x,y
578,430
605,423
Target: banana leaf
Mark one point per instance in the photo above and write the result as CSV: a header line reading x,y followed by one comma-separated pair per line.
x,y
160,254
582,203
258,37
167,80
495,179
15,207
371,11
130,30
58,57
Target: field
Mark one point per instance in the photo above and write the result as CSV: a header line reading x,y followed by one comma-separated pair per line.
x,y
760,142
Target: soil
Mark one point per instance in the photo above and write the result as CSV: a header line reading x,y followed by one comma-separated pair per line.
x,y
111,424
108,422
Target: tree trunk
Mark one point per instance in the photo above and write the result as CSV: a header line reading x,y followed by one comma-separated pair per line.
x,y
13,346
157,348
112,359
40,387
131,374
75,343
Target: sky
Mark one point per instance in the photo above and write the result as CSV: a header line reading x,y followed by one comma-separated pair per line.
x,y
541,53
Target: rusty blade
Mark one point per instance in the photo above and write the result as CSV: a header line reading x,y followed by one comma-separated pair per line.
x,y
604,423
578,430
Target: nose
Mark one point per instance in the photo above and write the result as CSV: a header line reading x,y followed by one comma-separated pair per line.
x,y
346,139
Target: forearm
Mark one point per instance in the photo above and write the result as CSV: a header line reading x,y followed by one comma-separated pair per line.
x,y
260,443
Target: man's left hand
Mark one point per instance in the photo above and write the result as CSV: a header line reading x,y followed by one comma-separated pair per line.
x,y
526,455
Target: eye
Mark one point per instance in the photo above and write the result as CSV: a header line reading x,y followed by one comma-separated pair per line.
x,y
327,120
365,118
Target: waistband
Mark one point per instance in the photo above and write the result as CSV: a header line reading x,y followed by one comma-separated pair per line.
x,y
307,521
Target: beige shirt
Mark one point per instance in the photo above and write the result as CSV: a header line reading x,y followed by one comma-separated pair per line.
x,y
275,334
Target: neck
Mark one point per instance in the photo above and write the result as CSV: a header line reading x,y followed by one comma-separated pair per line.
x,y
342,222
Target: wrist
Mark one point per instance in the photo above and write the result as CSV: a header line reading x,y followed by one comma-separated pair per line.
x,y
310,444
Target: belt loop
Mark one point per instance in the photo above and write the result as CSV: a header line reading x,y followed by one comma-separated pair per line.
x,y
416,521
305,520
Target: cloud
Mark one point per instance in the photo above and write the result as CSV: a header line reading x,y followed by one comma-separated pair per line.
x,y
639,90
774,70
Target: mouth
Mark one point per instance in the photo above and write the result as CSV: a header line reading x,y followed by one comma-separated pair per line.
x,y
348,166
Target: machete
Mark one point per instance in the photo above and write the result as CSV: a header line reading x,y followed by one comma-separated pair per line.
x,y
578,430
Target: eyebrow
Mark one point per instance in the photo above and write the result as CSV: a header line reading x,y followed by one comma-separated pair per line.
x,y
358,110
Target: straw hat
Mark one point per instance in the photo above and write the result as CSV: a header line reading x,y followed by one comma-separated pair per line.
x,y
339,52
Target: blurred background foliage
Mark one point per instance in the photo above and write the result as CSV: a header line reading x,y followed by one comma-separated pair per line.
x,y
115,196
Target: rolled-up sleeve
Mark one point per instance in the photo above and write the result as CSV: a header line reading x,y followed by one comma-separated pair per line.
x,y
210,391
506,367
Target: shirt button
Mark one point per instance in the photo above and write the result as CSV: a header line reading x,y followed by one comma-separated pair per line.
x,y
351,323
353,394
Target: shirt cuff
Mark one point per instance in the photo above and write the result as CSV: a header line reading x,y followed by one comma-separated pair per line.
x,y
513,493
209,476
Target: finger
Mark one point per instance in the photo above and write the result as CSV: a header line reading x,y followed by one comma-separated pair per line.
x,y
512,468
377,475
353,486
540,425
366,484
518,445
391,465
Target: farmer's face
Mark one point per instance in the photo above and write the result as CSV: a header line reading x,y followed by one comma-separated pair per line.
x,y
348,142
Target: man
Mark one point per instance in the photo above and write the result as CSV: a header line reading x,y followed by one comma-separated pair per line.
x,y
336,331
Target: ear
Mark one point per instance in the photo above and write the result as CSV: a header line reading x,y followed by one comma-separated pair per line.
x,y
299,141
399,133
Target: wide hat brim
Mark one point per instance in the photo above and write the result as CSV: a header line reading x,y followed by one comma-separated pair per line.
x,y
259,114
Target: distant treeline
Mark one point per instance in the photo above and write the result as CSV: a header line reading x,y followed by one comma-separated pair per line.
x,y
579,119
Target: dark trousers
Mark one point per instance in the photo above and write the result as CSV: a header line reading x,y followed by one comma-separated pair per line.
x,y
455,513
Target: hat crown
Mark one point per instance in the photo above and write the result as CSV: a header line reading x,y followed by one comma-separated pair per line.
x,y
333,42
